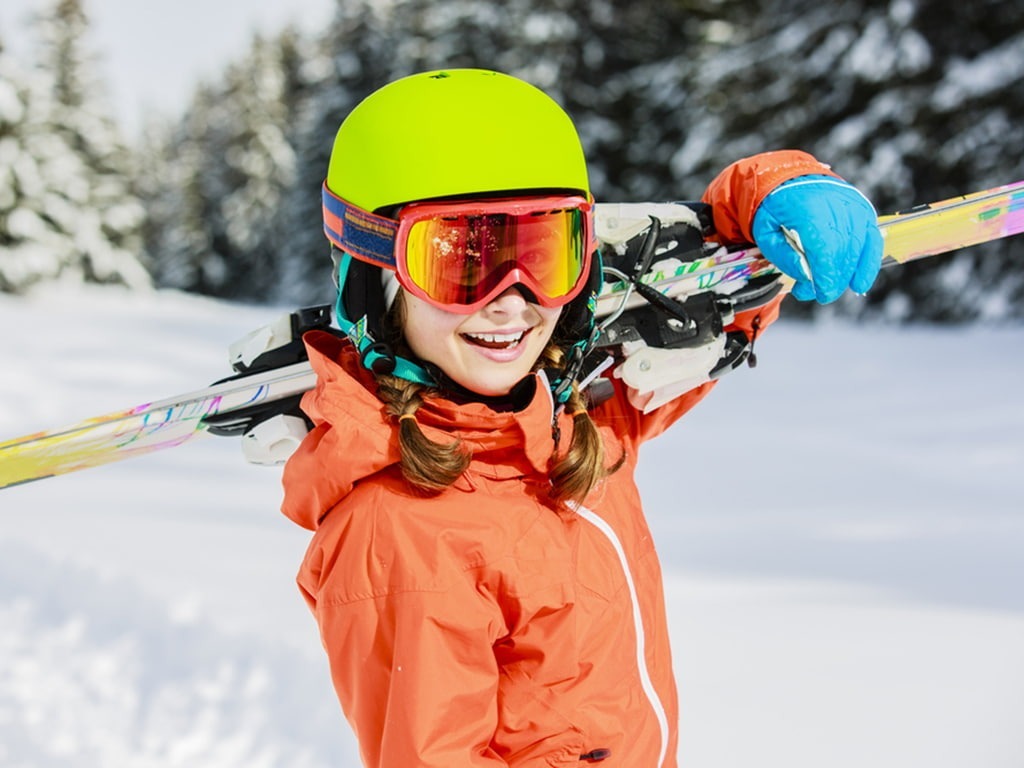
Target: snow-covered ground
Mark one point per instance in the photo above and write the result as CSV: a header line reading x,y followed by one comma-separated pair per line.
x,y
842,532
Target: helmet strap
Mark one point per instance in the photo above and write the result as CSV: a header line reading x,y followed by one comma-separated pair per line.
x,y
576,356
581,325
376,356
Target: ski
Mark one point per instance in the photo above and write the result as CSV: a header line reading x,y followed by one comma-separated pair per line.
x,y
916,233
147,427
695,274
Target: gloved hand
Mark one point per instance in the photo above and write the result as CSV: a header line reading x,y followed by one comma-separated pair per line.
x,y
822,232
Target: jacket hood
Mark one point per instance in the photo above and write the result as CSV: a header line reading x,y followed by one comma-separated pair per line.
x,y
355,437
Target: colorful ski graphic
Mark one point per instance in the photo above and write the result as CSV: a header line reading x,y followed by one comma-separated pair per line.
x,y
143,429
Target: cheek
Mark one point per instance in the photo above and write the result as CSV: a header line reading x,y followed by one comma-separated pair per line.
x,y
425,326
550,320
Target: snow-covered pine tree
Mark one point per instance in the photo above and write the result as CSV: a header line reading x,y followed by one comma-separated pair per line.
x,y
70,211
214,204
912,100
16,169
357,52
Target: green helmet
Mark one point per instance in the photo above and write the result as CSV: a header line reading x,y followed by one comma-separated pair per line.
x,y
455,132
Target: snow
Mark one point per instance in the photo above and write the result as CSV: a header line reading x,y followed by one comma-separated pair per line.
x,y
841,533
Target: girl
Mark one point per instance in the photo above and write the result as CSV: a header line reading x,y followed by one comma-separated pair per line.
x,y
481,572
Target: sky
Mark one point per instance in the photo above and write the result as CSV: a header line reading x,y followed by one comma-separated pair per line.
x,y
153,53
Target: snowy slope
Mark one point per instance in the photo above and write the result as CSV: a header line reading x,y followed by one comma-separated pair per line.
x,y
841,530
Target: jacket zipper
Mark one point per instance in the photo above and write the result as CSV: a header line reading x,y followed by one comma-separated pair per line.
x,y
645,676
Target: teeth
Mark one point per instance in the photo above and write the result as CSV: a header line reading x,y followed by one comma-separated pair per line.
x,y
497,338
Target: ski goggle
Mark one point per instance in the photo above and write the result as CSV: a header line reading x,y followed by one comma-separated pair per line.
x,y
461,255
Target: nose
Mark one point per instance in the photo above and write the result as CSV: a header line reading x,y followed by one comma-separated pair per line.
x,y
513,299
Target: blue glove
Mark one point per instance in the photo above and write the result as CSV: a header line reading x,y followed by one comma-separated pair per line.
x,y
822,232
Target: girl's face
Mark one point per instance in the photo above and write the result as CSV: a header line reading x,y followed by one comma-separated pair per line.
x,y
487,352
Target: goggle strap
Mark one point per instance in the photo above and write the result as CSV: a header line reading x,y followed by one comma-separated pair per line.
x,y
365,235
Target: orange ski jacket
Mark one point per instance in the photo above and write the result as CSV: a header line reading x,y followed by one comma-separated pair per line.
x,y
481,627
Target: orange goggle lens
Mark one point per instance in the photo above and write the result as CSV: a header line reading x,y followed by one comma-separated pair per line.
x,y
461,256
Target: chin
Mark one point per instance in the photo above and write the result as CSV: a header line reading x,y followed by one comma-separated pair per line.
x,y
495,386
492,390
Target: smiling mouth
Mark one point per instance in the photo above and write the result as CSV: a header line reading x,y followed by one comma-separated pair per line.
x,y
495,340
